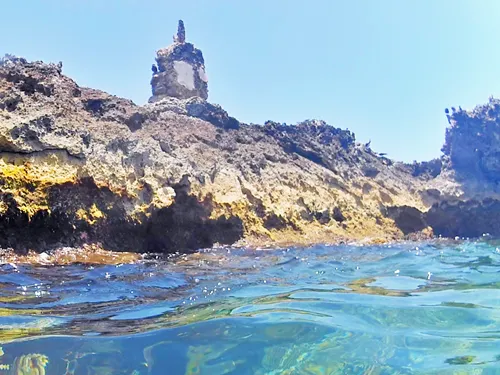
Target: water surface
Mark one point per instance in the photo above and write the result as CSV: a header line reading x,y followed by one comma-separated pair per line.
x,y
411,308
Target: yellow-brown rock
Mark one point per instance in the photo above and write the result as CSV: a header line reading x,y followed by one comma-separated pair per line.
x,y
79,166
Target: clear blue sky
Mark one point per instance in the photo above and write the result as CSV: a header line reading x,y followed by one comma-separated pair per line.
x,y
385,69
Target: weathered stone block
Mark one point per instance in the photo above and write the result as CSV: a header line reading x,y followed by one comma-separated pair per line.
x,y
180,71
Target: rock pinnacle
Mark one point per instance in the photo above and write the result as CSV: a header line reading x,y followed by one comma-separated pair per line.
x,y
180,71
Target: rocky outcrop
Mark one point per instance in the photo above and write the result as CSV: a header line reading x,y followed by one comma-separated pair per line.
x,y
472,142
179,71
79,166
463,186
316,141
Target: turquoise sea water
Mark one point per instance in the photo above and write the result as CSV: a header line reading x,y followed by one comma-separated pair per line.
x,y
429,308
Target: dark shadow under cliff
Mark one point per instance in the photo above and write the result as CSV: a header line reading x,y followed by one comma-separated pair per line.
x,y
184,226
470,219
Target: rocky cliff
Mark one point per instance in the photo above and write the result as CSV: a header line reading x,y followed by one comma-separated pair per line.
x,y
79,166
464,192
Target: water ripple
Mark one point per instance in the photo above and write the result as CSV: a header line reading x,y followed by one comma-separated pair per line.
x,y
429,308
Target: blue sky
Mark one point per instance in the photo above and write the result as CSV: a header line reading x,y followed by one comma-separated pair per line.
x,y
385,69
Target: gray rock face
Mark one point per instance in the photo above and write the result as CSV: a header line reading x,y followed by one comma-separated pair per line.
x,y
193,107
180,72
213,113
472,142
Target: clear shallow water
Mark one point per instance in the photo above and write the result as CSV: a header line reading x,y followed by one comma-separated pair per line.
x,y
401,309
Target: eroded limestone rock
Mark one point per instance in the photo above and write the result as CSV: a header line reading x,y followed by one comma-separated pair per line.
x,y
78,166
180,70
472,142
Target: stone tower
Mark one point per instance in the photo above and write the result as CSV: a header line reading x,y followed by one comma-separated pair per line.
x,y
179,71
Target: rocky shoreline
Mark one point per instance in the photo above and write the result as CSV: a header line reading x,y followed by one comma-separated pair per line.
x,y
79,166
